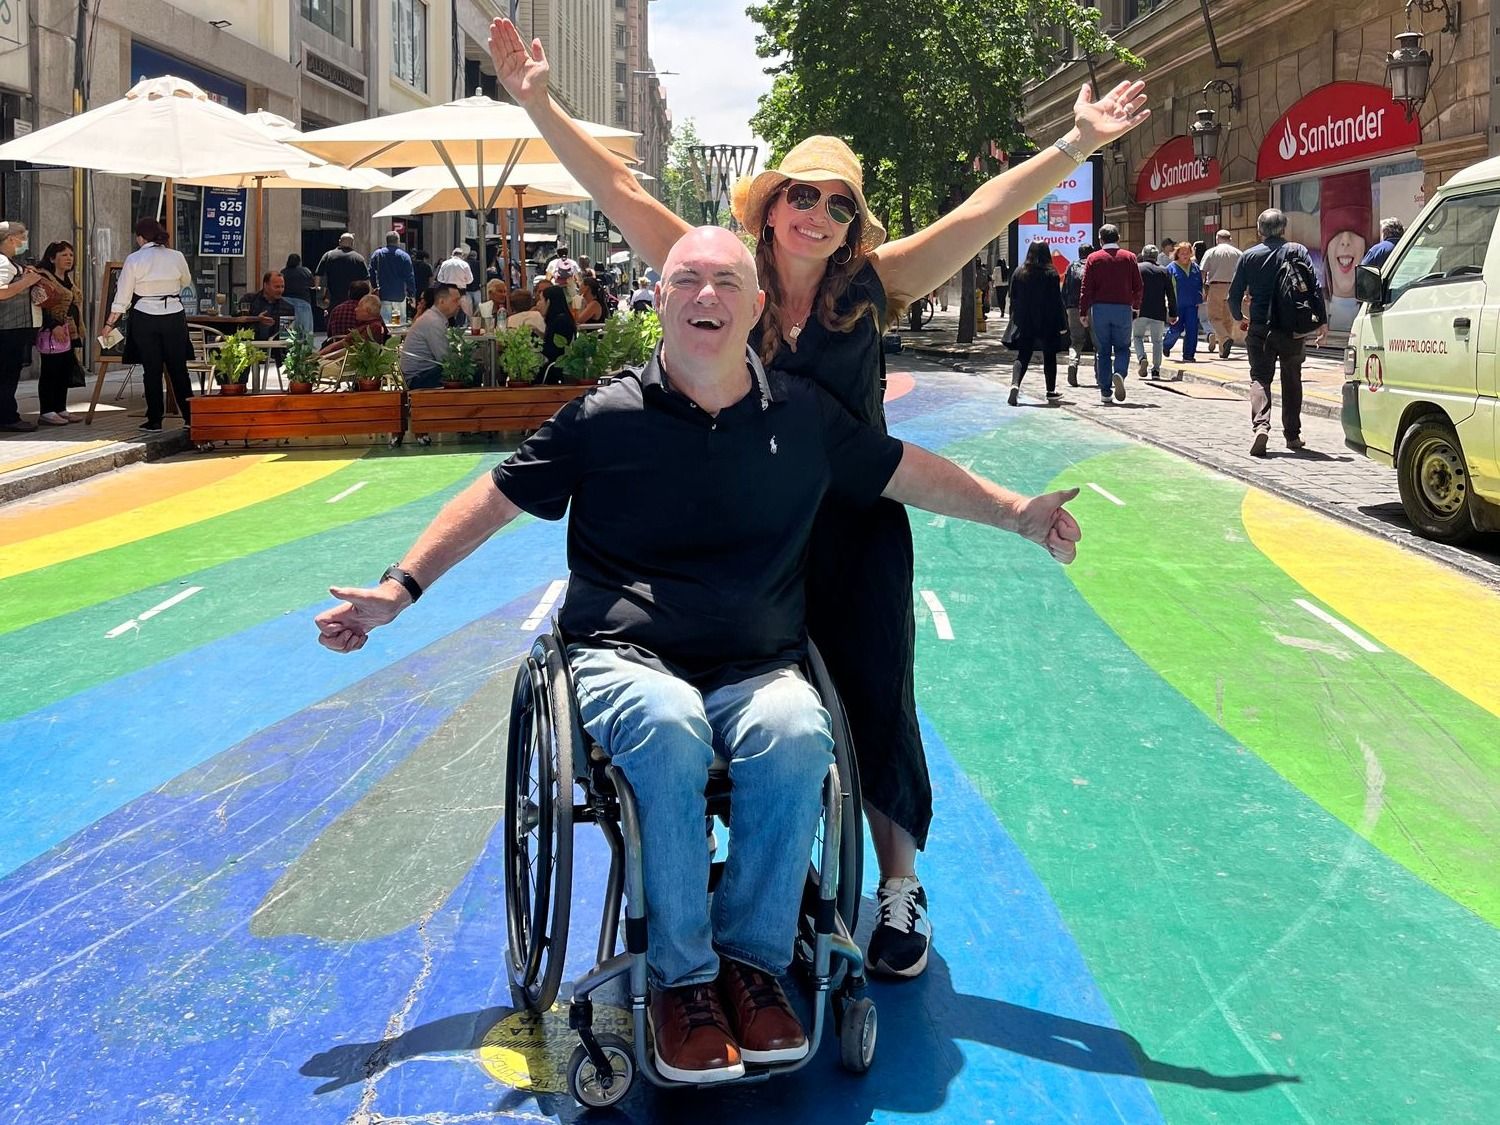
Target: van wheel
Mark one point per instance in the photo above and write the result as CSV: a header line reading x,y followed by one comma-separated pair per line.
x,y
1434,482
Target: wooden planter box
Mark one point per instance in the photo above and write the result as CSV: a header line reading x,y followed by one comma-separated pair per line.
x,y
472,409
336,414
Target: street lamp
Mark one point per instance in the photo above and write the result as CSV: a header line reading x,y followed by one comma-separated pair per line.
x,y
715,169
1207,130
1408,67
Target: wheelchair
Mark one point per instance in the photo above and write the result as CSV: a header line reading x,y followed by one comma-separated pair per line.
x,y
556,778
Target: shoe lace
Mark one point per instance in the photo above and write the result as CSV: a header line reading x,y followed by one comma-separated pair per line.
x,y
898,906
700,1007
760,988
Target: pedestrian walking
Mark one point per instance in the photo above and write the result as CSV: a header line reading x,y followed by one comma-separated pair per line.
x,y
421,265
1391,231
1108,304
1274,273
61,337
455,270
297,292
1199,249
1188,279
826,292
1037,320
341,267
1080,339
1218,272
16,331
1166,253
394,278
150,290
1158,309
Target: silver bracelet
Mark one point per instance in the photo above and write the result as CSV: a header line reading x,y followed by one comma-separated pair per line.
x,y
1070,150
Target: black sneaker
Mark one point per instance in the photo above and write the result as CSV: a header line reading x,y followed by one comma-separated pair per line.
x,y
898,947
150,427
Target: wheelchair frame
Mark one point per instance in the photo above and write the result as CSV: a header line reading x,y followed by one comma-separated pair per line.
x,y
548,754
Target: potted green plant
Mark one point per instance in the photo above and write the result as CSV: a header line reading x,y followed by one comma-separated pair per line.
x,y
368,363
233,359
519,355
458,365
581,363
300,364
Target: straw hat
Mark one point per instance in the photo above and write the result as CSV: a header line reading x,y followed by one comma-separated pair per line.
x,y
817,158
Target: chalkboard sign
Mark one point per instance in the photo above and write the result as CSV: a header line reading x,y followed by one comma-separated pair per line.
x,y
110,284
223,223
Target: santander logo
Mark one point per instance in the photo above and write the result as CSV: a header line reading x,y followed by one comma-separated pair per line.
x,y
1173,171
1335,124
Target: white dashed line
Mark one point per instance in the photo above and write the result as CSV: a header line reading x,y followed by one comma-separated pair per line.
x,y
134,622
1110,496
1328,618
544,607
350,491
939,616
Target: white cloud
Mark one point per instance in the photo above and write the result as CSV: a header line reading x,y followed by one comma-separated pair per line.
x,y
711,44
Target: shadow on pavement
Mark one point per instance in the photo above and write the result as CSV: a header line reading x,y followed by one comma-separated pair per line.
x,y
1485,547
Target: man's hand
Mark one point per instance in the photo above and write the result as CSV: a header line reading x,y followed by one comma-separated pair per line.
x,y
1245,325
346,627
523,72
266,318
1044,520
1083,320
1321,336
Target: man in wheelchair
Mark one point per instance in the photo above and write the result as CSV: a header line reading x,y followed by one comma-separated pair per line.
x,y
694,484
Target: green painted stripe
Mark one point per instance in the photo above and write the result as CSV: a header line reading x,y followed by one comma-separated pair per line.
x,y
1232,923
1373,738
393,481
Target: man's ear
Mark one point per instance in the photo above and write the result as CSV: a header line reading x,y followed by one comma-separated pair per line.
x,y
760,303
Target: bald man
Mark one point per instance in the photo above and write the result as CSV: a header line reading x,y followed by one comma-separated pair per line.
x,y
693,484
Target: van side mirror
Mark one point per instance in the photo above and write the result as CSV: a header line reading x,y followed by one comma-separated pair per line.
x,y
1368,286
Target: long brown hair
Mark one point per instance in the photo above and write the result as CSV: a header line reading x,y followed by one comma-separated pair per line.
x,y
836,281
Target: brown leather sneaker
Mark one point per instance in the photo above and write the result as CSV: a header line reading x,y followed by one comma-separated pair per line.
x,y
693,1041
767,1029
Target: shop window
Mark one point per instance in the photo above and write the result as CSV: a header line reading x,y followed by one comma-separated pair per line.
x,y
1451,244
334,16
409,42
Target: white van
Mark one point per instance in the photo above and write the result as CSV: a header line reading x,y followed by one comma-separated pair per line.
x,y
1422,365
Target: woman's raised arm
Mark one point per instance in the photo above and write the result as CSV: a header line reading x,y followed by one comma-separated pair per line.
x,y
919,263
649,227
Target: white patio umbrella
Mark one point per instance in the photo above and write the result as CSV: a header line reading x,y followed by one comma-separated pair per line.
x,y
491,136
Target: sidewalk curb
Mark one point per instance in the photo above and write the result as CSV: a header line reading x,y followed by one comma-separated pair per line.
x,y
1489,575
66,470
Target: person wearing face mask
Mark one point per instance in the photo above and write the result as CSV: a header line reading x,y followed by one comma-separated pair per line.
x,y
150,289
832,283
16,331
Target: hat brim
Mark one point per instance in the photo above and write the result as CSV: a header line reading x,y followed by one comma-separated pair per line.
x,y
752,198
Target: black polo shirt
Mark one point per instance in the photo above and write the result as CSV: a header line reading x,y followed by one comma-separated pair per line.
x,y
689,534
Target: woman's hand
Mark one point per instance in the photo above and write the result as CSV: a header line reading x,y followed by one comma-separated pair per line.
x,y
62,334
522,71
1114,115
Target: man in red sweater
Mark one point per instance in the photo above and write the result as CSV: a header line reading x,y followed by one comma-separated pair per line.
x,y
1110,301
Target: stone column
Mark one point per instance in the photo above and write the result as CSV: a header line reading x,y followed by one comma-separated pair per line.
x,y
1239,205
1131,219
1441,159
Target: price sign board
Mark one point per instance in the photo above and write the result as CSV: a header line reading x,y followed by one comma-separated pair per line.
x,y
601,227
223,222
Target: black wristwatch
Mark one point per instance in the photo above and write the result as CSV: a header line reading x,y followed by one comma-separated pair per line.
x,y
413,587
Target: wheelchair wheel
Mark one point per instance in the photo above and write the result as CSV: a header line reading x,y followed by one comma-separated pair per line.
x,y
587,1086
851,846
857,1027
538,830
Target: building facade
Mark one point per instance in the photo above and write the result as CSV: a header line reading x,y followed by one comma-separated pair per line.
x,y
1311,126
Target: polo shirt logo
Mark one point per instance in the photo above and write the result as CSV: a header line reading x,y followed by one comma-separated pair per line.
x,y
773,445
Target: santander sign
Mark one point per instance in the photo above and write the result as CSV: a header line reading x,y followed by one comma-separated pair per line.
x,y
1335,124
1173,171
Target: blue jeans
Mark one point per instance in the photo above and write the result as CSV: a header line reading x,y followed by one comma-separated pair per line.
x,y
1185,329
1111,325
303,309
661,733
423,380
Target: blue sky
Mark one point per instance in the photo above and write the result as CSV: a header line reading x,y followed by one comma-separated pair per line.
x,y
711,43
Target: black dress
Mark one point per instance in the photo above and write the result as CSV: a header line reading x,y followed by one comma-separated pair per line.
x,y
859,577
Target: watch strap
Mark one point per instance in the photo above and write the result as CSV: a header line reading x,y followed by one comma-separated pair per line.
x,y
1070,150
395,573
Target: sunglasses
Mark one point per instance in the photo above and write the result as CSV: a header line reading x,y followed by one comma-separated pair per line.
x,y
804,197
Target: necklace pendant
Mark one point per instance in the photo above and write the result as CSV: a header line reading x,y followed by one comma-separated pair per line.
x,y
794,333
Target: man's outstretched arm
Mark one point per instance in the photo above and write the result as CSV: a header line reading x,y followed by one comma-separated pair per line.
x,y
456,532
935,484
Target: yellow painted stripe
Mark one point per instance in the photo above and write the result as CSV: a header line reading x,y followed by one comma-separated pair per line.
x,y
56,451
1446,624
110,494
275,477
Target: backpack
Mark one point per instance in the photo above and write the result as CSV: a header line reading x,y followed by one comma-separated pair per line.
x,y
1297,305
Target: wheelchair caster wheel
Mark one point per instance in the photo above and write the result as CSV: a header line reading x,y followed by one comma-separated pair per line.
x,y
588,1086
857,1035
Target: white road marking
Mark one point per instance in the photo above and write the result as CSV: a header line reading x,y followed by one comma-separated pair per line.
x,y
939,616
134,622
350,491
1110,496
1328,619
544,607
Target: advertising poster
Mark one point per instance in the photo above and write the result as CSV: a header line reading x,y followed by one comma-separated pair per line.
x,y
1065,218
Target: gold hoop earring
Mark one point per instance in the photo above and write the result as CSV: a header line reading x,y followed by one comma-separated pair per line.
x,y
847,258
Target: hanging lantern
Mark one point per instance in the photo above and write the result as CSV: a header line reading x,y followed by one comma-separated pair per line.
x,y
1205,133
1407,69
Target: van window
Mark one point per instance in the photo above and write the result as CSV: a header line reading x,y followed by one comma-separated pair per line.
x,y
1452,242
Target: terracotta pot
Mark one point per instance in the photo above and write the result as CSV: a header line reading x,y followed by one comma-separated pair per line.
x,y
296,388
232,388
367,384
453,385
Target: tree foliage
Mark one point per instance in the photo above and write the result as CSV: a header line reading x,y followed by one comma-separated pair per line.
x,y
928,95
678,191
